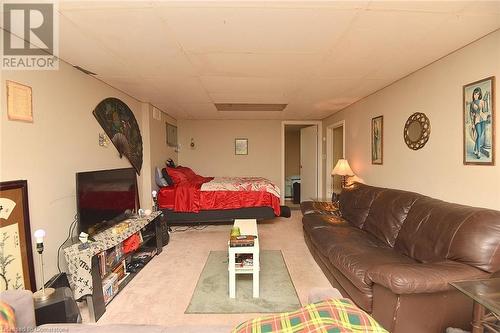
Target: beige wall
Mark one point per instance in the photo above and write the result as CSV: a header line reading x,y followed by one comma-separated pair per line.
x,y
214,155
292,153
63,140
437,169
160,151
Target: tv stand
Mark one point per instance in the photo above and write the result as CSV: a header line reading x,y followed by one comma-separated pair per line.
x,y
85,267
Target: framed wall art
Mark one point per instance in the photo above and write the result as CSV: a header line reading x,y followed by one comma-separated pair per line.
x,y
378,140
19,102
171,135
479,122
241,146
16,256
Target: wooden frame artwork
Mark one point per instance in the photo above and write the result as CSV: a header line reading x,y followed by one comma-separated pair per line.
x,y
479,122
19,102
171,135
16,256
377,135
241,146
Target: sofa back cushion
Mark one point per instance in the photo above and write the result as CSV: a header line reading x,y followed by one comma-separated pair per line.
x,y
435,230
355,202
387,214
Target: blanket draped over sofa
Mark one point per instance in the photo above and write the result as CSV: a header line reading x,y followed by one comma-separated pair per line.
x,y
394,253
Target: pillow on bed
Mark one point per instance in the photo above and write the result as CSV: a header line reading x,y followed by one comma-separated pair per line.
x,y
159,179
167,177
188,172
177,175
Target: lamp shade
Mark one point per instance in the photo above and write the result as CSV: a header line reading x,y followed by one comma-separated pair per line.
x,y
342,168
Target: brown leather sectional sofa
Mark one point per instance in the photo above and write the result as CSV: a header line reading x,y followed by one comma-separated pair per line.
x,y
394,253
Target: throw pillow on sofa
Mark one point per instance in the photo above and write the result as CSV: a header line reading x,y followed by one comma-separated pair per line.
x,y
333,315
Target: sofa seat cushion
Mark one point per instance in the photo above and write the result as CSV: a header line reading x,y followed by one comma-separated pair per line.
x,y
325,238
355,260
418,278
314,221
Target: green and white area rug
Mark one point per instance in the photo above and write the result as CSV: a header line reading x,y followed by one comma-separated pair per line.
x,y
277,293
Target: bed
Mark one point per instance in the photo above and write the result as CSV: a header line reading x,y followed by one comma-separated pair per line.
x,y
191,198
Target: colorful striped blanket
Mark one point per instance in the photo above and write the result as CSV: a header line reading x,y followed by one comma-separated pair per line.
x,y
330,316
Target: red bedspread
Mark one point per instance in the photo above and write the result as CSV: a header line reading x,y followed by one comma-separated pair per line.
x,y
202,193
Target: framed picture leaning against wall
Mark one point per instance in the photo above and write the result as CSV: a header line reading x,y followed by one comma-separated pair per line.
x,y
16,256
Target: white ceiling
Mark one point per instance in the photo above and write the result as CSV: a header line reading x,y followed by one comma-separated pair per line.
x,y
318,57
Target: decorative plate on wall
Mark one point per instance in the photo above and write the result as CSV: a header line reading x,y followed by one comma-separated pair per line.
x,y
417,131
119,123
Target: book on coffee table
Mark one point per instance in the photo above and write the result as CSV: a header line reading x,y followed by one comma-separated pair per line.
x,y
242,240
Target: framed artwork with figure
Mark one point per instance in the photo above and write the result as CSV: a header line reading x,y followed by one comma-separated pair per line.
x,y
479,122
378,140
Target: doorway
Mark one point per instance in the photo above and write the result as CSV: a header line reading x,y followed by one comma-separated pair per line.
x,y
301,162
335,150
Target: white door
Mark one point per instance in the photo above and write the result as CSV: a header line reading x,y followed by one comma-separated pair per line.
x,y
308,163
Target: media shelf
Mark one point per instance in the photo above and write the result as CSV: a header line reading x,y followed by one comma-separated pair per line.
x,y
101,271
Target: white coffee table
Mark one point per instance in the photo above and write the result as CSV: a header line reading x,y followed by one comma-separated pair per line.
x,y
247,227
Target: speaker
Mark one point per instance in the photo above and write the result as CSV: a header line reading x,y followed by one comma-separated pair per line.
x,y
59,308
58,281
165,236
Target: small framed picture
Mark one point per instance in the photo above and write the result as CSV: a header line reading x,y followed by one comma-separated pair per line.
x,y
19,102
241,146
378,140
479,122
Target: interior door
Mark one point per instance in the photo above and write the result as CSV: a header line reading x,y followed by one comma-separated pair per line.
x,y
308,163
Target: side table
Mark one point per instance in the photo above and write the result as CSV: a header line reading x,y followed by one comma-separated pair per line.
x,y
247,227
486,296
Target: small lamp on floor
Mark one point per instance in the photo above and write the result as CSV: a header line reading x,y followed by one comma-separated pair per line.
x,y
343,169
44,293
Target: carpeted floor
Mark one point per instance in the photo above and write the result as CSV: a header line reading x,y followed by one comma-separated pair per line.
x,y
162,290
277,293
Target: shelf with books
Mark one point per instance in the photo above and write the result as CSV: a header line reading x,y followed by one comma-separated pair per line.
x,y
115,267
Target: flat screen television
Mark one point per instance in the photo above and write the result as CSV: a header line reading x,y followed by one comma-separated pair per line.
x,y
105,197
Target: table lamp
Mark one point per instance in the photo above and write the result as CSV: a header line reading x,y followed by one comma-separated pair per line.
x,y
44,293
343,169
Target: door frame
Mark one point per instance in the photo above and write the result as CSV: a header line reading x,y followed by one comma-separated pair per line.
x,y
319,172
329,148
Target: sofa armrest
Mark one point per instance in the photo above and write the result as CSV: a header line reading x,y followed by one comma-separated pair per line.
x,y
422,278
22,303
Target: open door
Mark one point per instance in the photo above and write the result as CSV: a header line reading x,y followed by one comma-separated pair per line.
x,y
308,163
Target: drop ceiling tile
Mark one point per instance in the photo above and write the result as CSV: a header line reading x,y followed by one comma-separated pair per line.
x,y
179,89
147,46
248,85
448,6
261,30
78,48
261,98
255,64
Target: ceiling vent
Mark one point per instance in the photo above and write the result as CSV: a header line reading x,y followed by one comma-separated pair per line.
x,y
249,107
